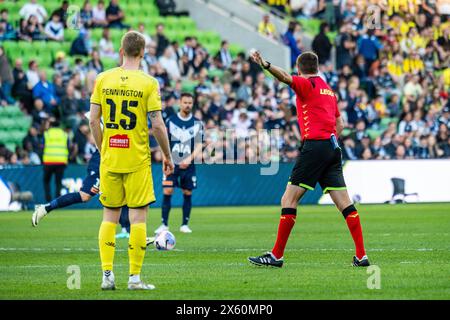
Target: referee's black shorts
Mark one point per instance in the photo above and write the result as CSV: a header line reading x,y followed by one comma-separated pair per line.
x,y
319,161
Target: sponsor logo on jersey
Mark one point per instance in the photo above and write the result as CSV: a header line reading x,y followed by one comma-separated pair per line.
x,y
327,92
119,141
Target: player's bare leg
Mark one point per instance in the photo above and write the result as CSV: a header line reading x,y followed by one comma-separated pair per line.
x,y
351,216
136,248
187,205
107,244
289,203
165,210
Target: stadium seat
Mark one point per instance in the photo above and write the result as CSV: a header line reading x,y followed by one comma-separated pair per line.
x,y
71,34
109,63
12,111
10,47
215,73
188,86
235,49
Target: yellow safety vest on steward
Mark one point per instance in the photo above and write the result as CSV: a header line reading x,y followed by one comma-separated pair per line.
x,y
55,149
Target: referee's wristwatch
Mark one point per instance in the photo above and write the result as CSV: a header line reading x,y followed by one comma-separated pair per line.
x,y
267,65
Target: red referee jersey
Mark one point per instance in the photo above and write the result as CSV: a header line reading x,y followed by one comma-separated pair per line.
x,y
317,108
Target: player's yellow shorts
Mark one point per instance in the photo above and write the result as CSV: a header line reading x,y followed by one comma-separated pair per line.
x,y
134,189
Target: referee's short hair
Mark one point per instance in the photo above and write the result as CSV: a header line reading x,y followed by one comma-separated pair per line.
x,y
133,43
308,63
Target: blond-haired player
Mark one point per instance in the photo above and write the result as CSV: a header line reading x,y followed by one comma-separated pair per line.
x,y
124,96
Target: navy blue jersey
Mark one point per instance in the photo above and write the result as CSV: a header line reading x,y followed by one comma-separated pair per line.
x,y
184,134
94,162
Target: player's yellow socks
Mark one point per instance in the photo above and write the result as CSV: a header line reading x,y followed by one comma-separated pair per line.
x,y
136,247
107,244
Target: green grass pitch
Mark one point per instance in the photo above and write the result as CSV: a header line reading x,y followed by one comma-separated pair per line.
x,y
409,243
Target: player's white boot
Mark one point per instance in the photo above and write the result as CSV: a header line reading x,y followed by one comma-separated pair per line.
x,y
135,283
38,214
108,282
161,228
185,229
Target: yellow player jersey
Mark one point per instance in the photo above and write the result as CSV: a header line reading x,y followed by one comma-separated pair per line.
x,y
125,98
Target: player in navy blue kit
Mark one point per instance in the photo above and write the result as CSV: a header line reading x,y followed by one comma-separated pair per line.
x,y
185,136
89,189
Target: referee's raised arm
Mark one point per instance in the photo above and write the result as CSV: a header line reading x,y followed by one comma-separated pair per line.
x,y
277,72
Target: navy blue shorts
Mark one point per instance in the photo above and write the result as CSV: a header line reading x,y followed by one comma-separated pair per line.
x,y
181,178
91,184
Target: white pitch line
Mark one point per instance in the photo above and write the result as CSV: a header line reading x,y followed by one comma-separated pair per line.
x,y
223,250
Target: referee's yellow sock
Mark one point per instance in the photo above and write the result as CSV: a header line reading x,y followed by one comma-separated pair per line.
x,y
107,244
136,247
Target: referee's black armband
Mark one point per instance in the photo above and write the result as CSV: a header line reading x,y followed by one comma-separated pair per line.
x,y
351,208
285,211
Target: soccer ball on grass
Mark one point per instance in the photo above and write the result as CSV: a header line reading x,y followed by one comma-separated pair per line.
x,y
165,241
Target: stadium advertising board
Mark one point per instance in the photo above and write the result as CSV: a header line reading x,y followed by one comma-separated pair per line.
x,y
393,181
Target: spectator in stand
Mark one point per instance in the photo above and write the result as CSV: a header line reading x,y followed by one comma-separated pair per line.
x,y
34,30
32,74
161,40
61,12
368,47
147,37
20,89
7,31
115,15
289,39
86,15
33,8
6,77
106,46
23,32
168,61
62,67
321,44
345,46
224,55
81,45
168,8
54,29
45,91
99,15
188,49
33,144
3,102
267,28
244,92
95,63
70,107
80,139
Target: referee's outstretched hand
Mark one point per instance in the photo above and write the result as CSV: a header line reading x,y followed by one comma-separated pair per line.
x,y
256,56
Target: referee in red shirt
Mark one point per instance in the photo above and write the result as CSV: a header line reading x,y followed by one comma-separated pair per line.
x,y
320,158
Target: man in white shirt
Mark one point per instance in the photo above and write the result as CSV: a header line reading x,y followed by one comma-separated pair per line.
x,y
170,64
148,39
33,8
99,15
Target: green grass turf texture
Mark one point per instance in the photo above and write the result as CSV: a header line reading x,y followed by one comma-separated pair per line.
x,y
410,244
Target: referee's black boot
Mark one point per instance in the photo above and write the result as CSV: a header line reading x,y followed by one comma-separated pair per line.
x,y
363,262
267,260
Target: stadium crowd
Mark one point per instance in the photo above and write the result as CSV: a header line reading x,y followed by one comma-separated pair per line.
x,y
392,78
